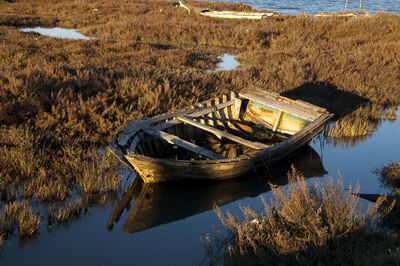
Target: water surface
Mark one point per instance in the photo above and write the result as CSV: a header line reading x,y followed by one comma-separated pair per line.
x,y
228,62
58,33
314,6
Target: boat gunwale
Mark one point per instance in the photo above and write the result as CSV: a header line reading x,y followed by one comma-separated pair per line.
x,y
243,157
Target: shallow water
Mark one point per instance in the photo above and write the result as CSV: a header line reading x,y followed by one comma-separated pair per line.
x,y
228,62
166,226
314,6
58,33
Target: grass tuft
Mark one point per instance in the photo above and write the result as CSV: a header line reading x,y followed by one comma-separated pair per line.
x,y
22,216
306,223
63,215
390,174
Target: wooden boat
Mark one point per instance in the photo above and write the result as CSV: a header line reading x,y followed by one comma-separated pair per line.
x,y
151,205
221,138
228,14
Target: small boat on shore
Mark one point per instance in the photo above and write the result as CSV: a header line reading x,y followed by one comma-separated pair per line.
x,y
221,138
228,14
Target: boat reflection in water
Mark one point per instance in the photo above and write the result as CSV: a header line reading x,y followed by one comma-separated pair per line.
x,y
162,203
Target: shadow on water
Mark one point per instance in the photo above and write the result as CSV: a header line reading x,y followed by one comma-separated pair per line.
x,y
156,204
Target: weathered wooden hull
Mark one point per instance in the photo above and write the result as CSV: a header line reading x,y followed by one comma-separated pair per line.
x,y
156,204
290,124
154,170
144,144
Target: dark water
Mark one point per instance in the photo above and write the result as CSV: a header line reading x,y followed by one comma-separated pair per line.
x,y
314,6
164,225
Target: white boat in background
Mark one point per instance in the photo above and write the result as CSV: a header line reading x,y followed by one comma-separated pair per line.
x,y
228,14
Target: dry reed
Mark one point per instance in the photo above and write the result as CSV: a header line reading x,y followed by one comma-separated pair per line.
x,y
19,215
390,174
63,215
306,223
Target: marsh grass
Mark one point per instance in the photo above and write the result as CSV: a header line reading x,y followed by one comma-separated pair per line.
x,y
18,215
305,223
61,101
390,174
101,176
353,128
361,122
63,215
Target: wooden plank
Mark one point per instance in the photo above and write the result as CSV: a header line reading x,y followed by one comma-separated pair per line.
x,y
287,108
202,120
144,149
207,110
225,110
214,116
217,113
134,142
158,145
131,130
179,131
219,133
210,116
139,124
305,106
197,130
222,112
184,144
236,106
203,111
139,149
306,134
262,92
278,121
147,146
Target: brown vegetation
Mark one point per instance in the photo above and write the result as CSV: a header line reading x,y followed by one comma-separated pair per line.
x,y
390,177
307,223
72,211
390,174
18,215
62,100
355,127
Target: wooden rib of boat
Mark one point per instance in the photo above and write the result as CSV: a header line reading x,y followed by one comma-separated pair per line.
x,y
151,205
220,138
228,14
